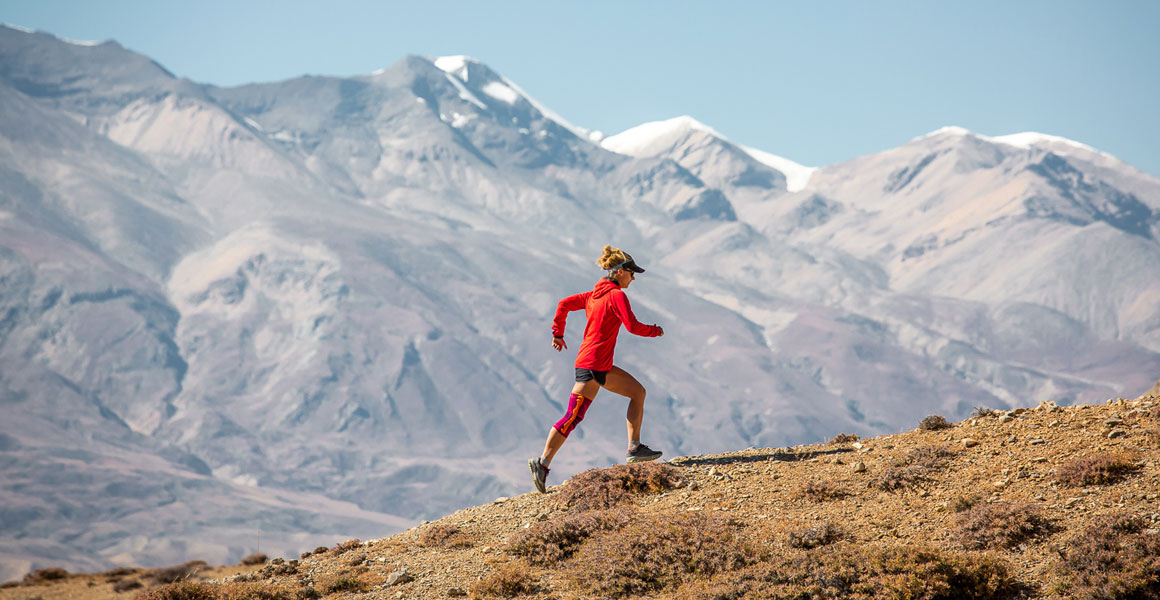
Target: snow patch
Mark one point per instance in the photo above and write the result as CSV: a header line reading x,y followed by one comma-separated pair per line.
x,y
580,132
18,27
454,65
500,91
797,177
466,93
645,139
1024,141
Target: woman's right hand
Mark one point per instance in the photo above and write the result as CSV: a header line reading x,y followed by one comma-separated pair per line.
x,y
559,344
662,333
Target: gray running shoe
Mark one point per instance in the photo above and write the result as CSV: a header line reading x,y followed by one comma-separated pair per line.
x,y
539,474
642,453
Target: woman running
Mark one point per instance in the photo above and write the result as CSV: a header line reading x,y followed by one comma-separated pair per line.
x,y
607,308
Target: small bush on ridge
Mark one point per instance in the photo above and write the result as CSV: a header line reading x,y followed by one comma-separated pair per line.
x,y
549,542
1001,525
844,438
596,489
813,537
850,571
1098,470
934,423
912,469
255,559
178,573
1115,558
510,580
821,491
445,536
658,552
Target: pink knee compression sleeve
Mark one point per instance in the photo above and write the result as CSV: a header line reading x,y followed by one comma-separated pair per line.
x,y
577,406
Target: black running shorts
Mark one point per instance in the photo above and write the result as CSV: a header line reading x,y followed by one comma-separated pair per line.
x,y
583,375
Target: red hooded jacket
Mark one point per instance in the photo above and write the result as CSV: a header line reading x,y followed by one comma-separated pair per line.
x,y
606,307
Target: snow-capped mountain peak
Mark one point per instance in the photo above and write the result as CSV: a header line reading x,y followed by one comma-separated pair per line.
x,y
647,138
651,139
1025,140
480,79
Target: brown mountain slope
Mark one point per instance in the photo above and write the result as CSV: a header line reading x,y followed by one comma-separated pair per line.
x,y
1005,505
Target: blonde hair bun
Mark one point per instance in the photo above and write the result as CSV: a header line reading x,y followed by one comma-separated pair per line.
x,y
610,257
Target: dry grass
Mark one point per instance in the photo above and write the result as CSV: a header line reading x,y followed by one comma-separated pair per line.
x,y
552,541
851,571
1098,470
1115,558
822,491
843,438
509,581
445,536
255,559
915,468
177,573
659,552
188,590
814,537
604,488
1001,525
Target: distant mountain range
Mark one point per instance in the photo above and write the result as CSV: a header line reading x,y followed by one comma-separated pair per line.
x,y
320,308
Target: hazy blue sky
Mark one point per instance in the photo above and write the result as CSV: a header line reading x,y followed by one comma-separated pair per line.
x,y
815,81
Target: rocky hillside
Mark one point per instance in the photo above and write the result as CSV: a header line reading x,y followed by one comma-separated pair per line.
x,y
1050,502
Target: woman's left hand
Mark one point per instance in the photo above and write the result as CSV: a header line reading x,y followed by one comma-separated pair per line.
x,y
559,344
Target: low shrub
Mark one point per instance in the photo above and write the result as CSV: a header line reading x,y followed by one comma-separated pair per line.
x,y
177,573
1098,470
821,491
851,571
549,542
604,488
962,503
934,423
982,411
844,438
185,590
48,574
814,537
445,536
126,585
509,581
255,559
343,582
1001,525
234,590
1117,557
346,546
914,468
659,552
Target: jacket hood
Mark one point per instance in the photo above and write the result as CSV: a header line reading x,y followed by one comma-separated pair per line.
x,y
603,287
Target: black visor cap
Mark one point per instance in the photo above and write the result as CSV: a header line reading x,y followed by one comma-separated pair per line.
x,y
632,266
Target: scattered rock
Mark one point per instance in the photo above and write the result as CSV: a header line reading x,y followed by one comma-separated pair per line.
x,y
969,442
836,461
1072,502
399,577
858,467
500,500
1036,442
1114,421
858,445
1117,433
1006,419
456,592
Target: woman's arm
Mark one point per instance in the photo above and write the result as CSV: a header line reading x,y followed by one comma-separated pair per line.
x,y
623,311
566,306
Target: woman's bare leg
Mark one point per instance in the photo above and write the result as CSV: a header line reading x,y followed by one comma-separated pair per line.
x,y
587,389
621,382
